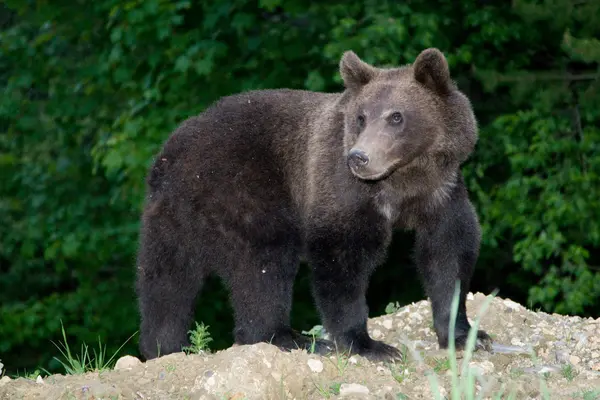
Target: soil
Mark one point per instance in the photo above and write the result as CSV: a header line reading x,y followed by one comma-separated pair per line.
x,y
535,356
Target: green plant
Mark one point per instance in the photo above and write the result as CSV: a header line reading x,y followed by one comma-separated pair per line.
x,y
84,361
392,307
441,365
199,340
568,372
463,379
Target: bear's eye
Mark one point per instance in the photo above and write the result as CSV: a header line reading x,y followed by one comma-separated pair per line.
x,y
396,117
361,120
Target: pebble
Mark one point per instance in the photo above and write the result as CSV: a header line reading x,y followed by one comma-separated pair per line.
x,y
349,389
377,334
387,323
511,305
562,356
39,380
483,368
315,365
353,360
126,362
574,360
470,296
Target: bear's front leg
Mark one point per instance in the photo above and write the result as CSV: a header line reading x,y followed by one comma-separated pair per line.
x,y
342,264
447,247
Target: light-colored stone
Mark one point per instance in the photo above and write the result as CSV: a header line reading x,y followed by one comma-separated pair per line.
x,y
126,362
39,380
483,367
511,305
573,359
4,380
315,365
387,323
351,389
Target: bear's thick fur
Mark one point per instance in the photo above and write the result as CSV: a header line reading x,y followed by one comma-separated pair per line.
x,y
263,179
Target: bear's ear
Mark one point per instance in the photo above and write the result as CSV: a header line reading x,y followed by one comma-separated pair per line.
x,y
355,72
431,69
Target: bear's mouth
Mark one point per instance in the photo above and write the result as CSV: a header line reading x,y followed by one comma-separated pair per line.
x,y
366,175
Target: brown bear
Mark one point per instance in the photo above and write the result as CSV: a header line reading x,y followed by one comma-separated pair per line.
x,y
264,179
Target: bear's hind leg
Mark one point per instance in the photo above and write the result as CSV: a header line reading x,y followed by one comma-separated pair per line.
x,y
261,292
167,285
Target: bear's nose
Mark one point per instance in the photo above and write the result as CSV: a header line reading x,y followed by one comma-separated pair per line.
x,y
357,158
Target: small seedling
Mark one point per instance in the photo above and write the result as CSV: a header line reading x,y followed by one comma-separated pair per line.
x,y
342,360
85,362
32,376
516,372
335,388
199,339
568,372
327,392
392,307
316,331
441,365
591,394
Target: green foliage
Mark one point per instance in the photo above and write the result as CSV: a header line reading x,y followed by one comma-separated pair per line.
x,y
90,92
199,340
392,307
84,362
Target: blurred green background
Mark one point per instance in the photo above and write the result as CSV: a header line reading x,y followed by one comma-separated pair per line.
x,y
90,90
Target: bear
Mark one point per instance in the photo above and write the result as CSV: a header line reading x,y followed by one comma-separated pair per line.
x,y
263,180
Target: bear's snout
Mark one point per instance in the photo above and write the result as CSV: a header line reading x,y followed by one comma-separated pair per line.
x,y
357,159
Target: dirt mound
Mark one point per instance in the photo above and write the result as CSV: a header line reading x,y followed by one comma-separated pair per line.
x,y
536,355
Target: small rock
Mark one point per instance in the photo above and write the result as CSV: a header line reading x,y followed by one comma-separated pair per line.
x,y
483,368
562,356
126,362
582,341
541,370
574,360
349,389
276,376
416,317
377,334
353,360
596,367
470,296
4,380
39,380
511,305
387,323
315,365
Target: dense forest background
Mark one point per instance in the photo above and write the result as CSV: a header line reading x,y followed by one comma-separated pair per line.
x,y
90,90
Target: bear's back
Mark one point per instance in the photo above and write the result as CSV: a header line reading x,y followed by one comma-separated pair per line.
x,y
248,141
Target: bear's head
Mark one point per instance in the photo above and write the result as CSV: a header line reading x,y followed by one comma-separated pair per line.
x,y
401,117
